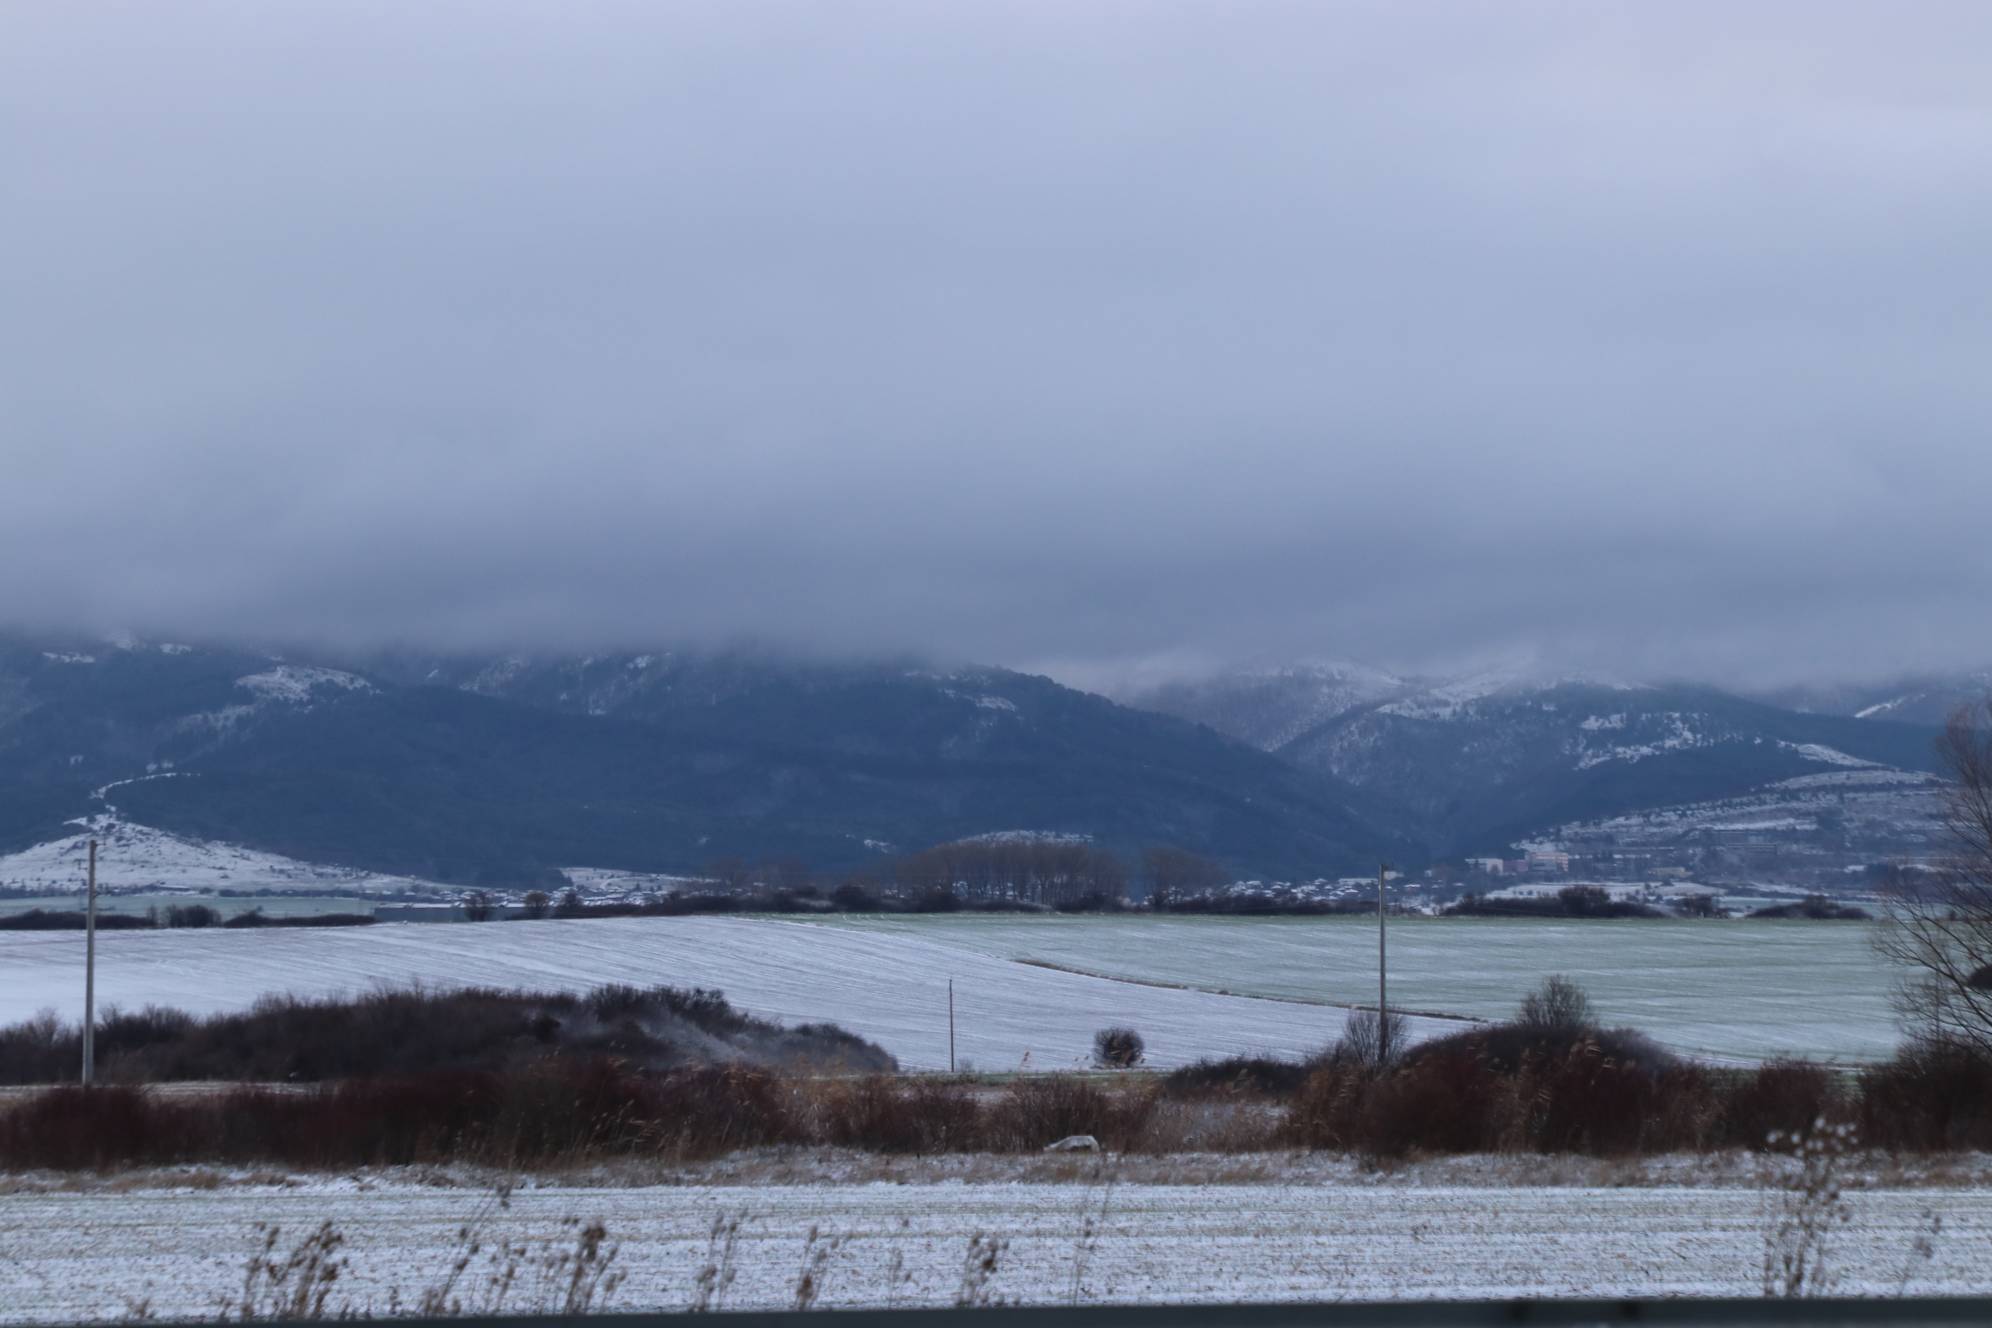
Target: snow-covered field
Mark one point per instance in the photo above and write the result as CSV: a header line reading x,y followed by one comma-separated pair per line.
x,y
93,1256
1724,989
1741,990
887,986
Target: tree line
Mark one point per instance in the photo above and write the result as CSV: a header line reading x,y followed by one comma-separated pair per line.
x,y
992,873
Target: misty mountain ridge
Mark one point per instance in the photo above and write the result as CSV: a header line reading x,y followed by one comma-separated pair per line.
x,y
484,766
1480,761
506,767
1926,698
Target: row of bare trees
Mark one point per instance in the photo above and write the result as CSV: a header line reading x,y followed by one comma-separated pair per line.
x,y
1018,869
1034,871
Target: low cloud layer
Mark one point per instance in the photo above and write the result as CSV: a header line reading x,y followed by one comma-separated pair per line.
x,y
1641,337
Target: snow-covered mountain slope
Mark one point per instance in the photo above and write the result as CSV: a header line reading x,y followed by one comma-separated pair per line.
x,y
1494,763
1887,813
1482,759
133,857
1270,706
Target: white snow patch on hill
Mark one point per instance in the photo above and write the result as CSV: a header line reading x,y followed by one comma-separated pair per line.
x,y
287,684
1681,734
493,679
612,881
1813,751
1450,700
1027,837
1865,776
1871,802
1457,697
133,856
294,683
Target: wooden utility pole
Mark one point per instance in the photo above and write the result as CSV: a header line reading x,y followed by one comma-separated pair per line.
x,y
951,1060
90,973
1382,990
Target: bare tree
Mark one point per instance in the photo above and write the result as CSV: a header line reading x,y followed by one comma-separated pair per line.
x,y
731,875
1174,873
1557,1006
1939,923
789,876
1373,1042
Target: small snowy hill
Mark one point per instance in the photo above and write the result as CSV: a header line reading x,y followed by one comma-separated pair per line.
x,y
131,856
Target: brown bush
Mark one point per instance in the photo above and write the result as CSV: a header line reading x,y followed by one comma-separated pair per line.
x,y
551,1112
1779,1096
1038,1111
887,1115
1439,1104
1931,1097
1484,1091
1327,1111
1235,1077
1599,1094
1118,1048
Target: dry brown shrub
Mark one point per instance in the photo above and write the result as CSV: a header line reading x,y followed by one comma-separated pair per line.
x,y
1778,1096
1038,1111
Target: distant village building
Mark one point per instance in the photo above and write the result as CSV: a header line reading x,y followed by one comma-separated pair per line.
x,y
1492,866
1548,860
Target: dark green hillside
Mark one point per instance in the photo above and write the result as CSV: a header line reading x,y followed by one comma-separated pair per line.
x,y
760,758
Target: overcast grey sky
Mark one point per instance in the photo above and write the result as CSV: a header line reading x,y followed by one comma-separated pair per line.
x,y
1653,337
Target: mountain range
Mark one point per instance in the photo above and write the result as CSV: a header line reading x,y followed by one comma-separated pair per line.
x,y
504,769
1471,764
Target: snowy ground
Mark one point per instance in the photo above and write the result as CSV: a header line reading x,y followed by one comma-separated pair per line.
x,y
94,1256
1735,989
886,986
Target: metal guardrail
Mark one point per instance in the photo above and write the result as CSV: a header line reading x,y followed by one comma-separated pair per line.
x,y
1915,1312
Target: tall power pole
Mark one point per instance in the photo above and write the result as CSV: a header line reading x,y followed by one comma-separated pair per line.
x,y
1382,988
951,1058
90,973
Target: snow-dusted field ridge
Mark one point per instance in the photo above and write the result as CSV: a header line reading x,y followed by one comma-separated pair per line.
x,y
889,987
71,1257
